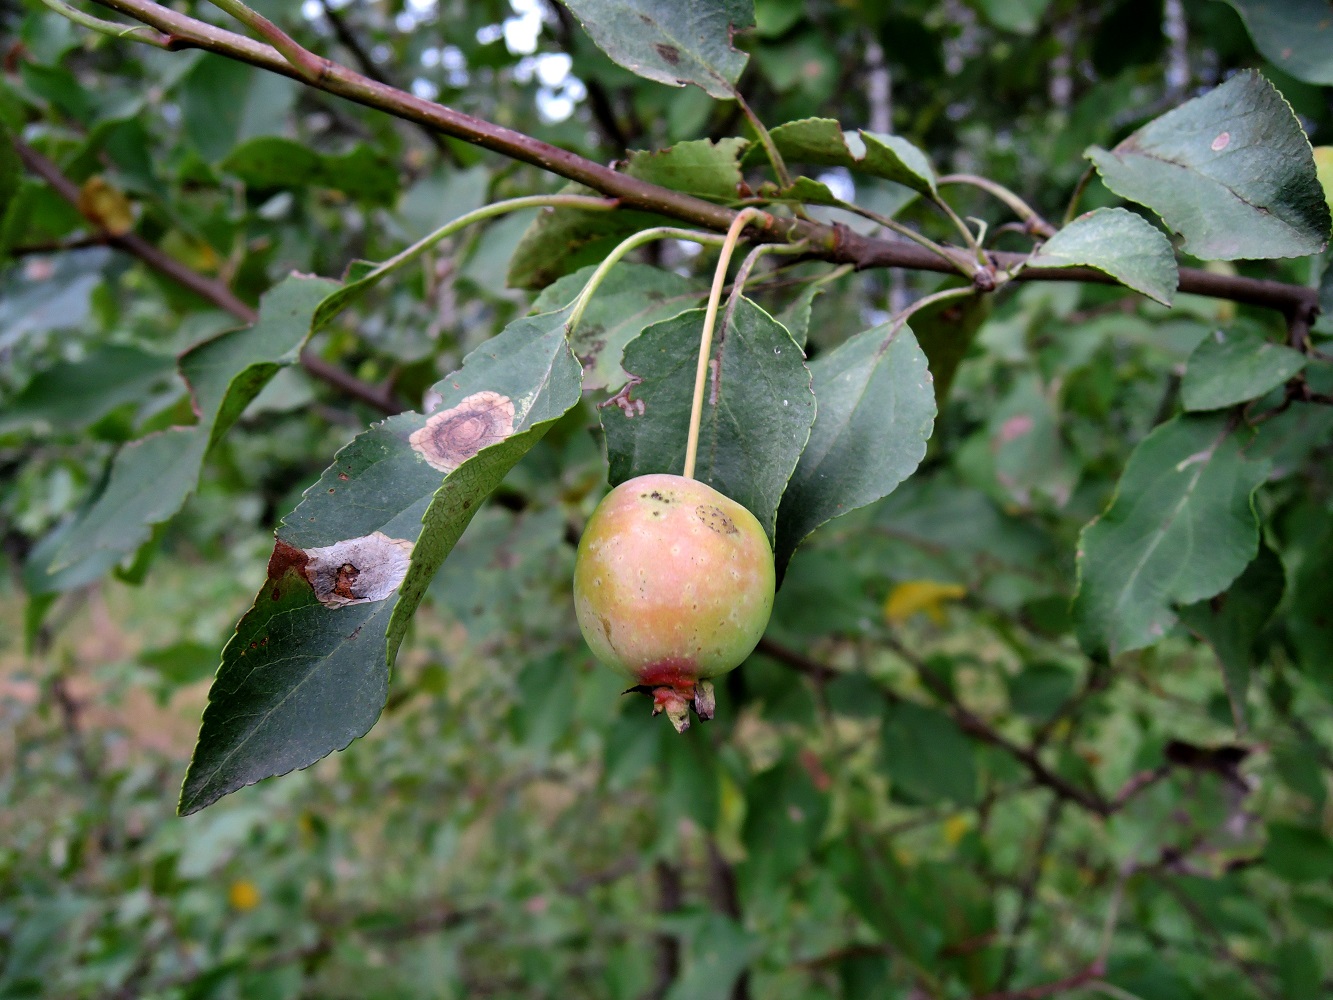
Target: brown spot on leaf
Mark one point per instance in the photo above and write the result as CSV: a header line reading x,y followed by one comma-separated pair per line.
x,y
453,436
285,557
344,476
668,52
357,570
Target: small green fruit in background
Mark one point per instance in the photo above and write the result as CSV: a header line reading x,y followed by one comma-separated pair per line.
x,y
673,586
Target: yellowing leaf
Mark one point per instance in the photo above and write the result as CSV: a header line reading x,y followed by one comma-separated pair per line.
x,y
912,596
243,895
955,827
105,207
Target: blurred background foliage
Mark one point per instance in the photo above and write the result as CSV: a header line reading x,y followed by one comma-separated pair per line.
x,y
864,819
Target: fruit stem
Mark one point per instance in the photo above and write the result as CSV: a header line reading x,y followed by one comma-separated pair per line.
x,y
638,239
742,219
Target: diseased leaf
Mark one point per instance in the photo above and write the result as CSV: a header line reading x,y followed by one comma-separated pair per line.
x,y
152,477
1236,365
822,142
1231,623
1182,526
630,298
876,411
308,669
756,417
671,41
274,162
1116,242
1294,35
1231,172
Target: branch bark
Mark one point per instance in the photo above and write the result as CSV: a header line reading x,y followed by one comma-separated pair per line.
x,y
836,244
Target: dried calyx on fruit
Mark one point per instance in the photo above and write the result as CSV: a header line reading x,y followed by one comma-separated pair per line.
x,y
673,586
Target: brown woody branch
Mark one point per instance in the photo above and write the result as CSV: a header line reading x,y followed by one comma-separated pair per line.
x,y
206,288
836,244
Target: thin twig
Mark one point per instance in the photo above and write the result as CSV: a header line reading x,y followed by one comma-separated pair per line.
x,y
1028,891
670,896
207,289
345,35
972,723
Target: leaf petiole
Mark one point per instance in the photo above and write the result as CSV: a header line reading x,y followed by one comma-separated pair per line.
x,y
637,240
743,218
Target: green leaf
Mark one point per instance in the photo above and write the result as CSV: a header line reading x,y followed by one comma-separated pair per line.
x,y
822,142
945,330
1296,36
151,478
671,41
784,817
1041,690
561,240
757,411
927,756
308,669
630,298
1298,853
1181,527
1117,242
274,162
1231,622
700,167
796,316
1236,365
876,411
108,377
224,102
1231,171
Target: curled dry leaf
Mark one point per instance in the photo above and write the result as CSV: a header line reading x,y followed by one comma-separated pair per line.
x,y
357,570
453,436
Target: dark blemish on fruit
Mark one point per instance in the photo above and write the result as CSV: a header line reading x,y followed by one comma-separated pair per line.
x,y
453,436
715,519
668,52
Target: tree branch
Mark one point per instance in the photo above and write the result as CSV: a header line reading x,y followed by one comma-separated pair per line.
x,y
206,288
352,44
832,243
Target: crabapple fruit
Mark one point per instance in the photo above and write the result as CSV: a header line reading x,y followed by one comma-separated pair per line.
x,y
673,585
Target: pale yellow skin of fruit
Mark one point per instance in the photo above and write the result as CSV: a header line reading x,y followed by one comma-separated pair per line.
x,y
674,581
